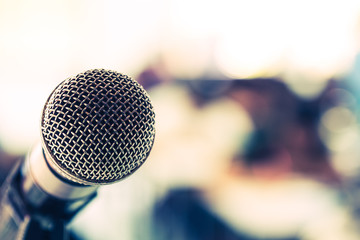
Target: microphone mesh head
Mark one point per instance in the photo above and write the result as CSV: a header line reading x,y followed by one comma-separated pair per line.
x,y
98,127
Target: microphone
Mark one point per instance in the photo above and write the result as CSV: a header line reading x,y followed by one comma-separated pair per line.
x,y
97,128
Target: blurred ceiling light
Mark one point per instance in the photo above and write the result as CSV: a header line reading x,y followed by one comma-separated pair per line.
x,y
250,39
347,164
322,39
305,84
344,142
344,150
338,119
263,38
189,37
245,57
132,32
339,130
196,18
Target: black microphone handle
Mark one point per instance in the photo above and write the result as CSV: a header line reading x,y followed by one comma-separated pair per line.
x,y
14,219
20,219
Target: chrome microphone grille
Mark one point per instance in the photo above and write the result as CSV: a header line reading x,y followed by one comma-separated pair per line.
x,y
97,127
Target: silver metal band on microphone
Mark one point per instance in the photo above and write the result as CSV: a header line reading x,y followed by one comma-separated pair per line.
x,y
41,176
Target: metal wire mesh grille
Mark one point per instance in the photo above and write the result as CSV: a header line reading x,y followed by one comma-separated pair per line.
x,y
98,126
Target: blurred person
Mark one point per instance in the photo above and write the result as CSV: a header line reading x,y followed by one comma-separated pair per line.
x,y
278,184
286,131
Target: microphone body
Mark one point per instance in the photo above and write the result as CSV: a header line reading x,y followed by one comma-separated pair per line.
x,y
97,128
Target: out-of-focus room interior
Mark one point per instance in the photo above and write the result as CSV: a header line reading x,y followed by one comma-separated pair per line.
x,y
257,111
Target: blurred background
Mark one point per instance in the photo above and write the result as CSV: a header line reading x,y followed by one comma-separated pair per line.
x,y
257,111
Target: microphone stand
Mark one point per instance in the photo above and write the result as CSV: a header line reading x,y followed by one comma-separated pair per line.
x,y
21,220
